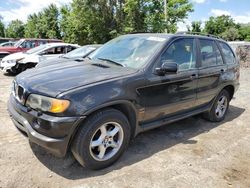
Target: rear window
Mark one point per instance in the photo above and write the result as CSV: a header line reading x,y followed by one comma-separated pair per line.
x,y
227,53
210,53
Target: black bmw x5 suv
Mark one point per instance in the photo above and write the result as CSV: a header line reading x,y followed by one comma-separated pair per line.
x,y
131,84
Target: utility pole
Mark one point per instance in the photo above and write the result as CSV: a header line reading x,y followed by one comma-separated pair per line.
x,y
165,11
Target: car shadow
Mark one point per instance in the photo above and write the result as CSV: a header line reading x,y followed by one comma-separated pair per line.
x,y
143,146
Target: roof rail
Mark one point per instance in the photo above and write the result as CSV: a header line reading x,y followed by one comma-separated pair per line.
x,y
197,33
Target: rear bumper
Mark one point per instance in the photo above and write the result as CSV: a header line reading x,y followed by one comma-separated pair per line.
x,y
56,145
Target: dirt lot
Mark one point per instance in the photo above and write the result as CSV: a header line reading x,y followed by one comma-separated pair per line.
x,y
189,153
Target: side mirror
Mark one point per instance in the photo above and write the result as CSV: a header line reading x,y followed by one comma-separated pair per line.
x,y
167,67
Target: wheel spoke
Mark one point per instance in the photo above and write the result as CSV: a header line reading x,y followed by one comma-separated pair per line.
x,y
113,144
96,143
102,151
103,131
222,100
217,109
113,132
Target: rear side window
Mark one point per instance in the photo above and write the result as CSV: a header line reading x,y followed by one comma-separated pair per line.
x,y
227,53
210,53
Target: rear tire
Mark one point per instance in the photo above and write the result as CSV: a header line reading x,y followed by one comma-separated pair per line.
x,y
219,108
102,139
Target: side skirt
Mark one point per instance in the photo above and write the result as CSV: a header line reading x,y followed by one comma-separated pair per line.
x,y
167,120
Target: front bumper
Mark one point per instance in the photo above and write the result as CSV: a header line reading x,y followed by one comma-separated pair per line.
x,y
4,66
26,122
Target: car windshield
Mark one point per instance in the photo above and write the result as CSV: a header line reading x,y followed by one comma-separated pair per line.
x,y
79,52
18,43
132,51
36,49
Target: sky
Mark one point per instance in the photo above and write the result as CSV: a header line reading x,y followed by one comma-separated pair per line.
x,y
239,10
203,9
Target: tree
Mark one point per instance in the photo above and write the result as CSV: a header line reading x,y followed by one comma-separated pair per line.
x,y
155,18
31,30
148,15
195,27
15,29
44,24
218,25
135,16
49,18
244,32
177,11
2,33
230,34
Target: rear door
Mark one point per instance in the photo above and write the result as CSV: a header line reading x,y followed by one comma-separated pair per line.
x,y
211,69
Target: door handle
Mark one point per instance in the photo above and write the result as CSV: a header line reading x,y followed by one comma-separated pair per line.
x,y
222,70
193,76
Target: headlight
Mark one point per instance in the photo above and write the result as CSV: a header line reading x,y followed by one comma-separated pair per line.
x,y
47,104
11,61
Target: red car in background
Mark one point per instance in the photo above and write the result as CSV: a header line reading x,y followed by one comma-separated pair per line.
x,y
24,45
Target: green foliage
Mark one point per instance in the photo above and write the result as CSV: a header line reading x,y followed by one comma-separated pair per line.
x,y
15,29
177,11
218,25
195,27
97,21
230,34
135,15
244,32
2,33
225,27
45,24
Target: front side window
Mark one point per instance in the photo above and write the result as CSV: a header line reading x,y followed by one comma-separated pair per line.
x,y
55,50
210,53
181,52
28,44
227,53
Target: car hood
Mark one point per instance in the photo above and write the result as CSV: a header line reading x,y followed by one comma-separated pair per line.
x,y
51,62
53,80
14,56
7,48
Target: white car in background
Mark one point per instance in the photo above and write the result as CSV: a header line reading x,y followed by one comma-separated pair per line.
x,y
18,62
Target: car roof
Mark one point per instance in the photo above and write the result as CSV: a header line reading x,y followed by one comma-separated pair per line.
x,y
54,44
40,39
180,34
93,45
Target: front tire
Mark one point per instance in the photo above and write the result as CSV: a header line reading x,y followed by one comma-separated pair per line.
x,y
219,108
102,139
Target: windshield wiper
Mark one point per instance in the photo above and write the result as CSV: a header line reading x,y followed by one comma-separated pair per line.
x,y
79,59
111,61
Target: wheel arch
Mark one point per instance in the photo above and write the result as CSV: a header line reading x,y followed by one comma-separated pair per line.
x,y
230,89
124,106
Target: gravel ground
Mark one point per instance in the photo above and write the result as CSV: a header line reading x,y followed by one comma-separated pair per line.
x,y
188,153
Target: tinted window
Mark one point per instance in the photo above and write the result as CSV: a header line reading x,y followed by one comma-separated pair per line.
x,y
181,52
210,53
28,44
227,53
41,42
55,50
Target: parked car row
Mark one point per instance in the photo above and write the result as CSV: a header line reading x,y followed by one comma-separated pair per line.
x,y
18,62
7,44
23,45
94,106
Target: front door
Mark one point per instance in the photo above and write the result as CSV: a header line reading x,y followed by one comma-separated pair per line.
x,y
173,93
